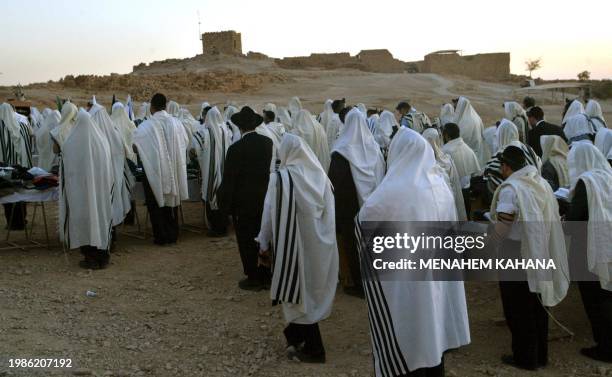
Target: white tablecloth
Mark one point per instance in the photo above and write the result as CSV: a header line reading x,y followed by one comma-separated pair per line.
x,y
48,195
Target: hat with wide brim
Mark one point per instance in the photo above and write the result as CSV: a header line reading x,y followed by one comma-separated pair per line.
x,y
246,118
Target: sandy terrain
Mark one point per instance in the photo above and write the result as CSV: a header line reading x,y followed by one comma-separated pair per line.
x,y
177,311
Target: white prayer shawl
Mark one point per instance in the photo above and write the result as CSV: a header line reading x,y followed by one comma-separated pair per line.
x,y
384,129
298,222
46,157
123,180
125,127
229,126
274,131
471,128
463,156
451,176
506,133
327,113
373,122
578,128
555,150
357,145
86,185
332,130
490,138
145,111
313,134
294,107
36,117
518,116
447,114
586,163
603,142
363,109
67,122
270,107
16,138
284,117
412,323
593,110
173,109
575,108
189,122
541,232
202,107
162,152
211,143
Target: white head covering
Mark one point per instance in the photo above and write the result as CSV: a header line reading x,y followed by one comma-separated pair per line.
x,y
294,106
270,107
384,128
513,109
327,113
584,157
173,109
85,186
471,128
43,140
144,111
229,126
603,142
447,114
202,107
67,121
578,128
125,127
313,133
506,133
356,143
593,109
284,117
362,108
7,115
555,150
574,108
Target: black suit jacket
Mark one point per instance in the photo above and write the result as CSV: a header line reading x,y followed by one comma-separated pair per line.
x,y
543,128
245,176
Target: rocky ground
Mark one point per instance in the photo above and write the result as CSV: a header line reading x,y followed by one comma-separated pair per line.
x,y
177,311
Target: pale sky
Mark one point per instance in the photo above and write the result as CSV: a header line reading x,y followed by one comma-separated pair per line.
x,y
44,39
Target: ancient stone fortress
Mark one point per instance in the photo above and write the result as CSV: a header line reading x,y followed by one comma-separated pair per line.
x,y
490,66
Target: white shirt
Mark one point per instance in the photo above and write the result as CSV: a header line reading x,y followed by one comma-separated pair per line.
x,y
508,203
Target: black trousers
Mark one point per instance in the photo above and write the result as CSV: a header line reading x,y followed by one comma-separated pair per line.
x,y
93,254
348,242
468,201
598,306
131,215
164,220
247,228
217,220
437,371
528,323
19,210
310,335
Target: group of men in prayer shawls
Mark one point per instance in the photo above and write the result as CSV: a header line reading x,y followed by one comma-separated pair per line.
x,y
293,185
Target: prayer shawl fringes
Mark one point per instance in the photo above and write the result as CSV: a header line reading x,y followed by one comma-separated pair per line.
x,y
386,347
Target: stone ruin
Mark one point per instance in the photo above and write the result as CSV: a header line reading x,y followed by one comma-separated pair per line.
x,y
222,42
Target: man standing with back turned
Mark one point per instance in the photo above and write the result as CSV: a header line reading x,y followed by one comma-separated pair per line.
x,y
243,190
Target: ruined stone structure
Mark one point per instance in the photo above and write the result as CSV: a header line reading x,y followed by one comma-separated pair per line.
x,y
493,66
366,60
222,42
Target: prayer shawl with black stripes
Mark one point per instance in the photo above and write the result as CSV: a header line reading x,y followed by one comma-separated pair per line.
x,y
492,173
86,182
298,224
211,142
15,138
123,178
412,323
541,232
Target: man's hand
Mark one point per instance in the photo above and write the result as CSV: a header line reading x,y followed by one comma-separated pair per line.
x,y
264,258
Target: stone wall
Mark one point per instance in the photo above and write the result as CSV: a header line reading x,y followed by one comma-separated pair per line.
x,y
222,42
366,60
493,66
380,61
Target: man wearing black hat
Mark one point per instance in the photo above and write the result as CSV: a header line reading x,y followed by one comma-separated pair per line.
x,y
243,190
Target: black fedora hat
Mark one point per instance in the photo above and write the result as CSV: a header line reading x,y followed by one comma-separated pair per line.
x,y
247,119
